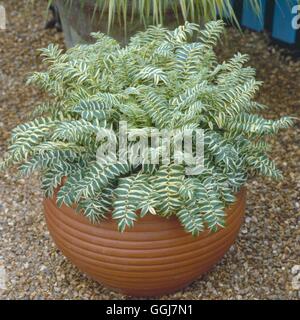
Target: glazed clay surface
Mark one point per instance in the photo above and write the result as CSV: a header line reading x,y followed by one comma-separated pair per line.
x,y
155,257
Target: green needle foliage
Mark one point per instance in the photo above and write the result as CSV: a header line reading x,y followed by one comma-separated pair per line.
x,y
160,80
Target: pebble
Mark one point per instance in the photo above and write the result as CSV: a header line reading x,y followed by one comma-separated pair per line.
x,y
296,269
254,219
296,282
43,268
248,220
244,230
2,278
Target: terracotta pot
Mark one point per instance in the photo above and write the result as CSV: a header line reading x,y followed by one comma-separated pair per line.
x,y
155,257
80,19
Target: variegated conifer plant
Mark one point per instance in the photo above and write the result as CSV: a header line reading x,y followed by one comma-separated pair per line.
x,y
161,79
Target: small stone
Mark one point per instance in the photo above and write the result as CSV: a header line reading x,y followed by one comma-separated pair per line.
x,y
2,278
296,282
244,231
248,220
254,219
43,268
296,269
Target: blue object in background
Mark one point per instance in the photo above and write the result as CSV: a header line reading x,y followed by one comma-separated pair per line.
x,y
282,21
250,19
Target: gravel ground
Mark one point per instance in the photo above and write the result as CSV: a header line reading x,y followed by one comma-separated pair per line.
x,y
264,263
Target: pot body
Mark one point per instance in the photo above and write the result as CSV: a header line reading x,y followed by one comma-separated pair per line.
x,y
155,257
79,19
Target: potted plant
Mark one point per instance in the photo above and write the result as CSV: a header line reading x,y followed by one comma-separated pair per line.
x,y
122,19
145,228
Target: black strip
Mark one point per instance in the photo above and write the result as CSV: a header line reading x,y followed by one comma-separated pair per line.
x,y
297,45
150,309
238,9
269,15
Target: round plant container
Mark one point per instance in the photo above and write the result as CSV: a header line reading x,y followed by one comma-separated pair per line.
x,y
155,257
